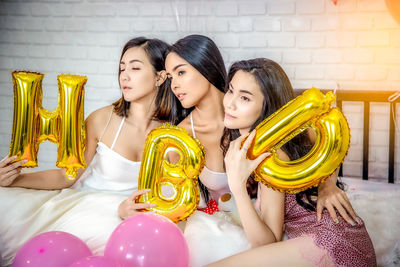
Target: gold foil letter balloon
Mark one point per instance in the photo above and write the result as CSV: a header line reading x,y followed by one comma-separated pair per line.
x,y
33,124
311,109
157,172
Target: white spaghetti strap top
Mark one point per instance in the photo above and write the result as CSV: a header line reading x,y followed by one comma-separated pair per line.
x,y
108,122
216,182
109,171
191,124
116,136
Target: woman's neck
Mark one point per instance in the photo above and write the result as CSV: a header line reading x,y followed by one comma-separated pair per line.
x,y
141,112
244,131
210,107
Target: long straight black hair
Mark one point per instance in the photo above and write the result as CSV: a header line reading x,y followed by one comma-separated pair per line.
x,y
277,91
203,54
156,52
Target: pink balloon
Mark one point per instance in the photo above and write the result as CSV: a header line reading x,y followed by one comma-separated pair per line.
x,y
148,240
53,248
96,261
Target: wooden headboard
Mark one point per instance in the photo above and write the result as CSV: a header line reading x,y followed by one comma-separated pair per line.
x,y
367,97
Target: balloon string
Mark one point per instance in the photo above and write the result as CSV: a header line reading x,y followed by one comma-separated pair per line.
x,y
392,99
177,17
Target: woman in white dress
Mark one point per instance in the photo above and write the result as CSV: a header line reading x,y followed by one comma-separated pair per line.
x,y
198,78
115,137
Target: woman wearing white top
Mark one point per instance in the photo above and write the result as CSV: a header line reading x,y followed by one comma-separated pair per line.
x,y
115,137
198,78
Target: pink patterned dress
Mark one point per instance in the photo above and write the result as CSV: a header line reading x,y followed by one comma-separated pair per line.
x,y
345,245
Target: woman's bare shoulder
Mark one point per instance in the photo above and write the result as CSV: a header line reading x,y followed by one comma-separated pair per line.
x,y
98,118
100,114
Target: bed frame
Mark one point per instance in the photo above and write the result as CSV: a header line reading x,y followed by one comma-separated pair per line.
x,y
367,97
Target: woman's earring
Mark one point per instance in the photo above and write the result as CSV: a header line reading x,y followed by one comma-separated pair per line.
x,y
157,87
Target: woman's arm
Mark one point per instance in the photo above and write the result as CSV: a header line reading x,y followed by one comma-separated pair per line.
x,y
238,169
267,229
331,197
56,179
272,205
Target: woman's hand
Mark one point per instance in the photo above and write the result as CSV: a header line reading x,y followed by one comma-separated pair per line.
x,y
8,172
129,207
238,167
331,197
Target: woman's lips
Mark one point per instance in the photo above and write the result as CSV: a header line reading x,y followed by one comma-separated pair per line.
x,y
180,96
229,116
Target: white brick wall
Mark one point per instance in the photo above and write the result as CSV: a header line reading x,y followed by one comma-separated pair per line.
x,y
354,45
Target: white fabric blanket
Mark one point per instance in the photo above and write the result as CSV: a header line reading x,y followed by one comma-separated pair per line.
x,y
92,216
378,204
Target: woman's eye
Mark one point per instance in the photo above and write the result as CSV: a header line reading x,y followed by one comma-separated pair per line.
x,y
245,98
230,91
135,69
181,72
121,70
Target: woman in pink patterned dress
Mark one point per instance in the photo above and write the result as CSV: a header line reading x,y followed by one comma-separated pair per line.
x,y
257,88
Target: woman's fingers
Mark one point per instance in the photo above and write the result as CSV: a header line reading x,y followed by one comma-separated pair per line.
x,y
4,162
344,201
338,206
15,165
261,158
320,208
248,141
141,206
332,213
138,193
13,172
237,142
6,181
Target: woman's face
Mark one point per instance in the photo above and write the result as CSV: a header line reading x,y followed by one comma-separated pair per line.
x,y
243,102
188,84
137,76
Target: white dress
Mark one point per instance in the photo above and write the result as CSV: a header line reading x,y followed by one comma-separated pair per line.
x,y
214,237
88,210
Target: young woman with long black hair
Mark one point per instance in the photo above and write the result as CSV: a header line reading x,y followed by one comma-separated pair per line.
x,y
197,73
115,137
257,88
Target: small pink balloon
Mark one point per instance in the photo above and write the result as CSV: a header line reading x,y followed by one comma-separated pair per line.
x,y
148,240
50,249
96,261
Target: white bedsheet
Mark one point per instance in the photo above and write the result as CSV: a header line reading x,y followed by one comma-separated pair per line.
x,y
378,204
92,216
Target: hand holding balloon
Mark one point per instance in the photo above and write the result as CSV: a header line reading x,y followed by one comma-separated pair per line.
x,y
238,167
311,109
130,207
32,124
157,172
9,171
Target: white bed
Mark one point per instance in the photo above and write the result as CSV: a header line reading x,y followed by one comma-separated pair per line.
x,y
92,216
378,204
